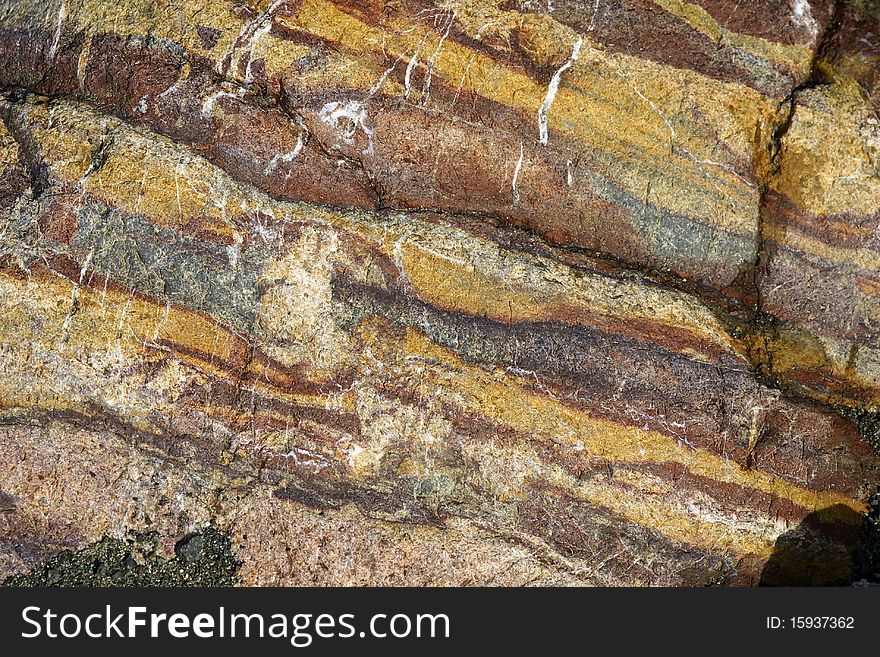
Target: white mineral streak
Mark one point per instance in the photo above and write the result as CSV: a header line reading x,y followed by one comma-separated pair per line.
x,y
426,87
375,88
803,16
356,114
516,175
407,76
553,87
62,13
208,105
285,157
259,33
252,31
81,64
593,16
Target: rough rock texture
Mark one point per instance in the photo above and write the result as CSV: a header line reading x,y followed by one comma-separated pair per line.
x,y
413,292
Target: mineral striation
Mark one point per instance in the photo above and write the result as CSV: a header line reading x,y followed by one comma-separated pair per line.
x,y
442,292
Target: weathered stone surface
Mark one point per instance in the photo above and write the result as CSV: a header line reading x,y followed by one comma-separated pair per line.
x,y
441,293
822,222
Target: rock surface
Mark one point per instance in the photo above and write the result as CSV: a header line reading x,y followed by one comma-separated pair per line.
x,y
441,292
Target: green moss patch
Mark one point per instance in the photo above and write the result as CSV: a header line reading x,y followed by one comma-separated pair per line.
x,y
204,558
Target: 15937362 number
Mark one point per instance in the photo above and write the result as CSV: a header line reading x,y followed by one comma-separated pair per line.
x,y
822,622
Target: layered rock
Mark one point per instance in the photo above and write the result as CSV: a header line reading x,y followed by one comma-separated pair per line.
x,y
821,221
561,294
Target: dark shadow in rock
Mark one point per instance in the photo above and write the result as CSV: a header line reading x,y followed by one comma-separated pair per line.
x,y
828,548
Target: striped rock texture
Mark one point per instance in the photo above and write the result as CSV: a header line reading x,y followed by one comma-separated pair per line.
x,y
442,292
